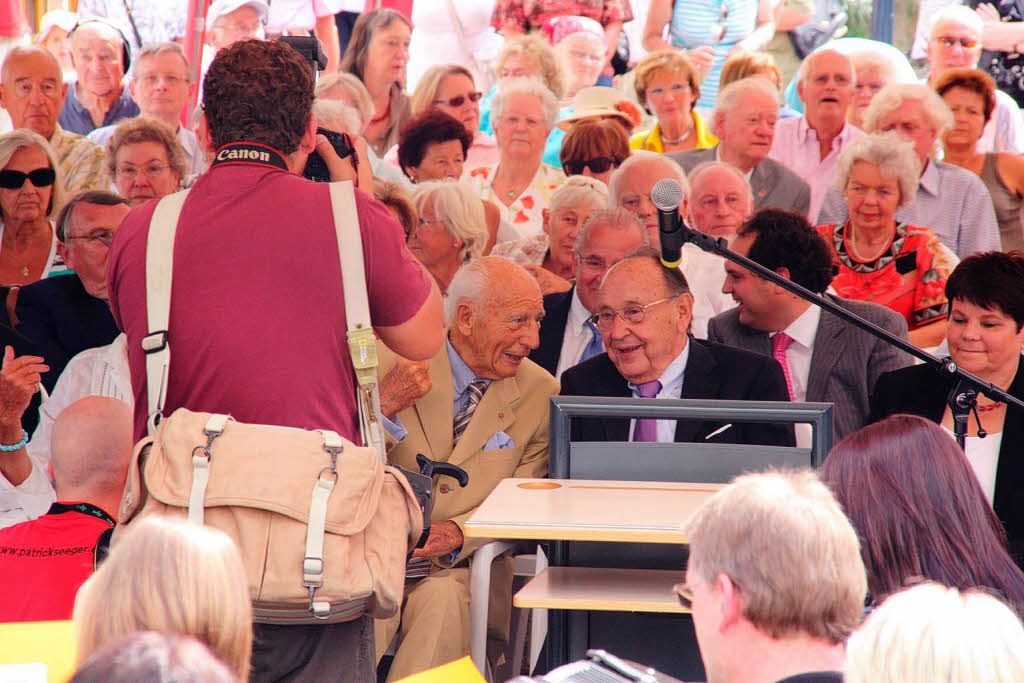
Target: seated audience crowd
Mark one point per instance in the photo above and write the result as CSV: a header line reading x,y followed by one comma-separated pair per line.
x,y
513,251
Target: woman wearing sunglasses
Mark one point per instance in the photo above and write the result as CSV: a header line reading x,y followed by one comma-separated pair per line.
x,y
29,197
594,148
450,88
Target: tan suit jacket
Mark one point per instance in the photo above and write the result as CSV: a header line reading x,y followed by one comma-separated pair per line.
x,y
519,406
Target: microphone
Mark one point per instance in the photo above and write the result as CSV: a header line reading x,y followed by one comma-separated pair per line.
x,y
666,196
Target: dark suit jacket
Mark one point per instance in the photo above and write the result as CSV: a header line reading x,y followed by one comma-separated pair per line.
x,y
772,183
922,390
552,330
713,371
845,361
62,320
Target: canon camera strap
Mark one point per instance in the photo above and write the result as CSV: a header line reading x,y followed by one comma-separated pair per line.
x,y
251,153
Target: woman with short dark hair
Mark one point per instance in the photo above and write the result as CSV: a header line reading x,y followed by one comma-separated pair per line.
x,y
433,146
985,333
919,511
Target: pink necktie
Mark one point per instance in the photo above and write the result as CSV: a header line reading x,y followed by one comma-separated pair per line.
x,y
647,430
781,342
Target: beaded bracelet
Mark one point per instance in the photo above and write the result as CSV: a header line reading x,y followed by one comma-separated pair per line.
x,y
17,446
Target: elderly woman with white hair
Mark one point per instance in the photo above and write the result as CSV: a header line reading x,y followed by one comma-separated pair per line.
x,y
524,112
874,71
550,256
933,633
950,201
451,229
880,259
30,196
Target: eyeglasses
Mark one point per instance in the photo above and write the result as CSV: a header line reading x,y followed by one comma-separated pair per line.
x,y
633,314
104,237
952,41
685,595
40,177
459,100
596,165
150,171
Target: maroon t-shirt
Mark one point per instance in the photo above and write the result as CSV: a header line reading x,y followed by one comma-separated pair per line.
x,y
44,561
257,325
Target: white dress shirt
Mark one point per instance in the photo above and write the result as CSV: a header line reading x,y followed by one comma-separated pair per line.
x,y
705,274
671,387
983,456
577,336
102,371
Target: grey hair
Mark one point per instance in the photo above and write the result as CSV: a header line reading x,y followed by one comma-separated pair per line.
x,y
337,116
805,66
864,59
617,219
457,205
22,138
157,49
892,96
703,166
525,86
638,157
346,84
959,14
471,284
894,156
731,96
579,190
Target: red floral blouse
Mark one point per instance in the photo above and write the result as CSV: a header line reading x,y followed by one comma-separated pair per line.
x,y
909,277
530,14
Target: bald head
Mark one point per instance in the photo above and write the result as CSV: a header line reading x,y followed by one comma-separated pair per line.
x,y
32,89
91,446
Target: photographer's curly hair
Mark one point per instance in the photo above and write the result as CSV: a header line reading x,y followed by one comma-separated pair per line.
x,y
258,91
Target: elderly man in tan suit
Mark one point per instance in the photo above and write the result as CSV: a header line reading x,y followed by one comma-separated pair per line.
x,y
481,404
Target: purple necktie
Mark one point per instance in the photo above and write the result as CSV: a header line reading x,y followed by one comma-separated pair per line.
x,y
647,430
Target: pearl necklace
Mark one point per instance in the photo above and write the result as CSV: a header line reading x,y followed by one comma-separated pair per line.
x,y
856,254
675,141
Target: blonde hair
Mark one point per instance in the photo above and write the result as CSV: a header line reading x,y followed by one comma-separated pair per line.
x,y
170,576
934,633
23,138
665,60
534,47
423,97
894,157
458,206
893,95
146,129
783,540
394,196
745,64
329,87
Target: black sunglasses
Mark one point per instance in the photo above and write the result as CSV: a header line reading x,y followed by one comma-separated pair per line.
x,y
41,177
596,165
458,100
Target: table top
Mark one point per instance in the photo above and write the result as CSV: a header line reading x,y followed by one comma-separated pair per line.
x,y
616,590
588,510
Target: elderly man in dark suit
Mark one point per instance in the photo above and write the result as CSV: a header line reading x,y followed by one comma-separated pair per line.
x,y
68,314
744,121
566,334
644,313
824,358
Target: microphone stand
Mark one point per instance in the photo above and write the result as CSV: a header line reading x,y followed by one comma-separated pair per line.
x,y
962,399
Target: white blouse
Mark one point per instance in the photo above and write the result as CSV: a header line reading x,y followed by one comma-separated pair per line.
x,y
983,456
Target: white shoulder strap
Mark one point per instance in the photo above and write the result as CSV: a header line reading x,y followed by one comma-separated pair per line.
x,y
159,265
361,342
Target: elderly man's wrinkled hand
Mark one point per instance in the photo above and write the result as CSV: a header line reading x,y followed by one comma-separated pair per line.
x,y
18,380
403,384
548,281
444,537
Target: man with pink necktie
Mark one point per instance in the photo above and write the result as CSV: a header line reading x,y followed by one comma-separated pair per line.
x,y
823,358
644,313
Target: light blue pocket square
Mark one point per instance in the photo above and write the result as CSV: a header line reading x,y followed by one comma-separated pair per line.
x,y
499,440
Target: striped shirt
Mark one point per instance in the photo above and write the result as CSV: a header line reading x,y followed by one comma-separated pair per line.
x,y
951,202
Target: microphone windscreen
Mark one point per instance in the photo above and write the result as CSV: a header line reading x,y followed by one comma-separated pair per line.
x,y
667,194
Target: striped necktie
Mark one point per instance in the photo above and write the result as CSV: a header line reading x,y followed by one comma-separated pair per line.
x,y
476,391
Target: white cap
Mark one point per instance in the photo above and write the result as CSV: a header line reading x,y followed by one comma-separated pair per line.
x,y
218,8
57,18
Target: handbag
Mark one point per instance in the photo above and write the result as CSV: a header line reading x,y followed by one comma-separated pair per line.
x,y
323,525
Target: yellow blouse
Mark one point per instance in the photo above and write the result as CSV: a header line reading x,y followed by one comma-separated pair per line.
x,y
651,139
